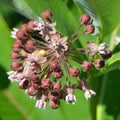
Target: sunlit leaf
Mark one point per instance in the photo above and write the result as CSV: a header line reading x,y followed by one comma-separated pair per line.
x,y
104,12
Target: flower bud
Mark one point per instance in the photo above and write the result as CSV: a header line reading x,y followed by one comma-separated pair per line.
x,y
47,14
14,55
57,86
107,54
23,84
21,35
54,65
86,65
89,29
33,77
16,47
15,65
45,84
54,104
74,72
54,96
85,19
58,74
32,90
99,63
30,26
30,45
24,28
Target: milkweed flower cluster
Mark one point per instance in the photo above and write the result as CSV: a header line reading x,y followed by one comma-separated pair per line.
x,y
41,61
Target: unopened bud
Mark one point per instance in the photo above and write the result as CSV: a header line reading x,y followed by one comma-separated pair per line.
x,y
74,72
54,65
107,54
85,19
33,77
57,86
14,55
47,14
58,74
54,104
24,28
89,29
15,65
99,63
23,84
32,90
30,45
21,35
86,65
45,84
54,96
30,26
16,47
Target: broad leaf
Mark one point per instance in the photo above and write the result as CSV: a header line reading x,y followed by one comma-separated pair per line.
x,y
105,13
108,107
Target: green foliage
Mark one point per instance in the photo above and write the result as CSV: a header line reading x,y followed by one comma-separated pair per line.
x,y
105,13
16,105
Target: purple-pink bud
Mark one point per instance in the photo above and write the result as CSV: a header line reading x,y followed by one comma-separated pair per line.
x,y
14,55
33,77
74,72
54,95
107,55
23,84
32,90
30,45
99,63
86,65
21,35
16,47
47,15
58,74
85,19
89,29
15,65
54,65
45,84
54,104
30,26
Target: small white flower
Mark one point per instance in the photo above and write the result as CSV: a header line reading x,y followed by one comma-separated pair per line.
x,y
39,24
14,76
41,103
13,33
88,93
70,97
102,48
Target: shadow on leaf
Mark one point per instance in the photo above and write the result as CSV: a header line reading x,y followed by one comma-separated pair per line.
x,y
4,82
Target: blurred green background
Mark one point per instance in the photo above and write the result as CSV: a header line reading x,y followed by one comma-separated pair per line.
x,y
16,105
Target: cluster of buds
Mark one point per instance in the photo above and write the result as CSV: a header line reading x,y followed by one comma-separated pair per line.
x,y
41,57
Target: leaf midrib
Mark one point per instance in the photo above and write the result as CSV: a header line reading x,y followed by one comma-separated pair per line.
x,y
16,104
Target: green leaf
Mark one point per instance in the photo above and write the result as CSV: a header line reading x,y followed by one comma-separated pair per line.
x,y
108,107
10,109
105,13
